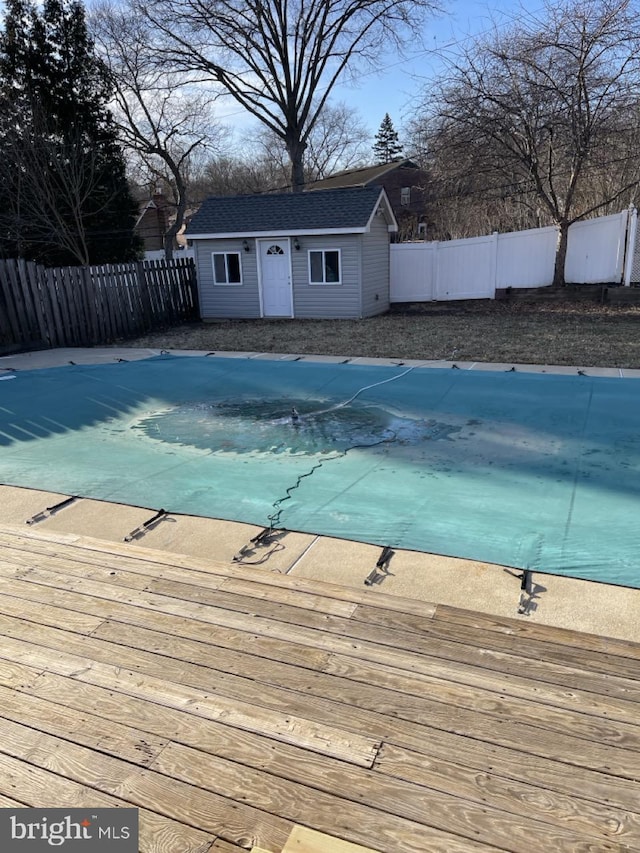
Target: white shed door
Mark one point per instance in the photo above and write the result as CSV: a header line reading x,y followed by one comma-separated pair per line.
x,y
275,278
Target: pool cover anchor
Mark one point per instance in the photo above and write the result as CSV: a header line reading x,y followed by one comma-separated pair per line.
x,y
146,525
50,510
264,538
381,568
525,590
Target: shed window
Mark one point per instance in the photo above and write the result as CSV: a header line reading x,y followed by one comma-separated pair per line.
x,y
405,195
226,268
324,266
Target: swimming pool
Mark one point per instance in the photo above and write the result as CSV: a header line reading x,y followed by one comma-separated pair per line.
x,y
534,471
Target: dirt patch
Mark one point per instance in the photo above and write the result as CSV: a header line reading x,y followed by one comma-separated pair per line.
x,y
559,332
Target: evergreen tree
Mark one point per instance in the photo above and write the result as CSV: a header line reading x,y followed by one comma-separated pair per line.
x,y
68,200
386,147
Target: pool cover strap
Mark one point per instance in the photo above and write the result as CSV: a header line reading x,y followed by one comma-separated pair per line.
x,y
142,529
50,510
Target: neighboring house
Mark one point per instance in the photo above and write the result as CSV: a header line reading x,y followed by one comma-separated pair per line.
x,y
312,255
405,184
156,216
154,221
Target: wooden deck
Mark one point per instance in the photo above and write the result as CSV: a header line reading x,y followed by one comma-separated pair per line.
x,y
229,704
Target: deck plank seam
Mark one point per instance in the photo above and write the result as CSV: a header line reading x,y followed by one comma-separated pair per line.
x,y
385,601
118,796
604,667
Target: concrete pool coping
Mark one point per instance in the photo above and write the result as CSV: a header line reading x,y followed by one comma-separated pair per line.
x,y
587,606
40,359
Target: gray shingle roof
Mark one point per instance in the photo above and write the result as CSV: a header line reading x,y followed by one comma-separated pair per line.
x,y
329,209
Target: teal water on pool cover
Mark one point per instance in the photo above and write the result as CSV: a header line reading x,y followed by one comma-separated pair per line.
x,y
528,470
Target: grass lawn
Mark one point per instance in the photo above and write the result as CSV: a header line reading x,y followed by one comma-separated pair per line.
x,y
580,333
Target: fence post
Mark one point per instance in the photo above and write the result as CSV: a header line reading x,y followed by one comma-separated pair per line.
x,y
632,227
435,271
494,261
10,315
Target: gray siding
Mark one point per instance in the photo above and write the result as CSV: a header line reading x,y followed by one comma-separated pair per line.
x,y
327,301
221,301
375,268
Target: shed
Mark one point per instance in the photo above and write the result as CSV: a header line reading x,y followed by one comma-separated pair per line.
x,y
307,255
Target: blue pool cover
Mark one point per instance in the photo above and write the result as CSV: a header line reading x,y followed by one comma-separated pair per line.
x,y
528,470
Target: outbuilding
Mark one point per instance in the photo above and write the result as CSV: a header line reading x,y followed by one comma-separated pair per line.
x,y
308,255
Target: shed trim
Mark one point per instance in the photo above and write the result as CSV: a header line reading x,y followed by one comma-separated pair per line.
x,y
383,202
307,232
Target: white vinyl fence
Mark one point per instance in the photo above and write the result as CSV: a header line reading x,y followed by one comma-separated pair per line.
x,y
475,268
158,254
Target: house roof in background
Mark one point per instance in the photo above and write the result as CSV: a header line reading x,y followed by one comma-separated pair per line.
x,y
359,177
347,210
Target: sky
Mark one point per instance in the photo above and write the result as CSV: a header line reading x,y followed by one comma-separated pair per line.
x,y
396,87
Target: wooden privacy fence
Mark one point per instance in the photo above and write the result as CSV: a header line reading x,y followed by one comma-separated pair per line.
x,y
85,306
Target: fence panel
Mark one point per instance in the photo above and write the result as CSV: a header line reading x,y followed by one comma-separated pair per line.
x,y
526,258
466,270
459,269
411,272
79,306
595,253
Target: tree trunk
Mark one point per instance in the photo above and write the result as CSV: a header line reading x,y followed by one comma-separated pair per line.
x,y
296,149
181,195
561,254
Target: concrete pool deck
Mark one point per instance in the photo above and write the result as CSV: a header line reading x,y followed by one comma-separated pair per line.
x,y
585,606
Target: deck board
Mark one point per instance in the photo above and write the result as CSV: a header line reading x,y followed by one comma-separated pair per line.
x,y
544,731
38,787
229,703
531,630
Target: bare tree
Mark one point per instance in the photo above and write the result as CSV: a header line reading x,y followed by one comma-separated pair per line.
x,y
163,119
466,195
338,140
238,174
280,59
546,113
